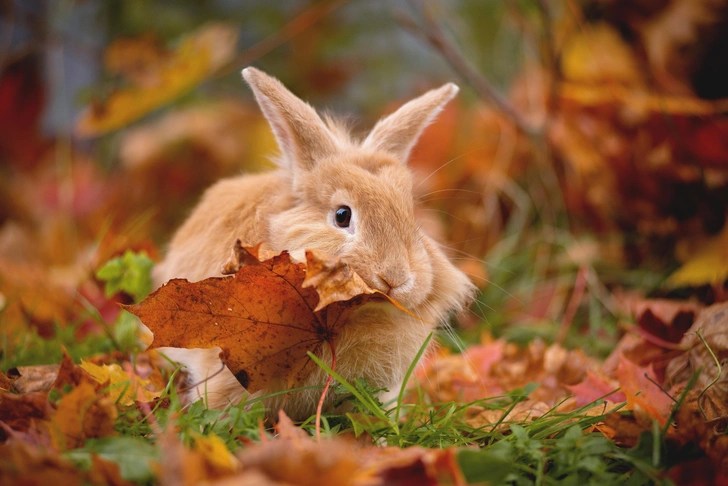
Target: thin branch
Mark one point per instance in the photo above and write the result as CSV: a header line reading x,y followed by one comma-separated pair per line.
x,y
433,35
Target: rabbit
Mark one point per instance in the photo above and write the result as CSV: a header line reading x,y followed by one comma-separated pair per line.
x,y
334,193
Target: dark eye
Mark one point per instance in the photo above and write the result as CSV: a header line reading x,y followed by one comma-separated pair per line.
x,y
343,216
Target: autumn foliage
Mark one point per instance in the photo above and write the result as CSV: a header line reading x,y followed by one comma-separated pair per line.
x,y
588,202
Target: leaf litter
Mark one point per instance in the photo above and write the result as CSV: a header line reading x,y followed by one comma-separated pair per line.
x,y
663,384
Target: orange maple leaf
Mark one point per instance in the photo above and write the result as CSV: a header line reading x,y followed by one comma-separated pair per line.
x,y
265,318
642,393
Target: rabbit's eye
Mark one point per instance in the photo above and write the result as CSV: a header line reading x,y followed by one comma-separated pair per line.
x,y
343,216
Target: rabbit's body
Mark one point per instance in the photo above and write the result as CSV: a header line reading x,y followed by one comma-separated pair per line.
x,y
335,194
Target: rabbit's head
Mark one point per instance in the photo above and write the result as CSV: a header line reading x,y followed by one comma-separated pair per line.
x,y
354,198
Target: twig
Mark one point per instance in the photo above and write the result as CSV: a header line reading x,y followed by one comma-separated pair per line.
x,y
433,34
320,406
300,23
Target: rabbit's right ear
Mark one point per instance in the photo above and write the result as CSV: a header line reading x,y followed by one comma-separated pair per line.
x,y
301,134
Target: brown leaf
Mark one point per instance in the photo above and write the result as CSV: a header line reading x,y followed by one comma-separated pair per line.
x,y
294,458
526,410
642,393
22,463
595,387
30,379
712,322
692,428
80,415
263,319
333,279
20,412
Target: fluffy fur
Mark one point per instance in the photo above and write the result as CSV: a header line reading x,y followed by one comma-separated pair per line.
x,y
320,169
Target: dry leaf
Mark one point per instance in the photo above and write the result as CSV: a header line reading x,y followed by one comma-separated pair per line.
x,y
692,428
333,279
23,463
30,379
217,457
712,322
82,414
641,392
294,458
21,412
263,319
595,387
197,56
707,265
124,388
526,410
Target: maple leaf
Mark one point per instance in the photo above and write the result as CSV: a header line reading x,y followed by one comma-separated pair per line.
x,y
641,392
593,388
264,317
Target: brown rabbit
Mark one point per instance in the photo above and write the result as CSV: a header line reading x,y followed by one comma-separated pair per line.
x,y
340,195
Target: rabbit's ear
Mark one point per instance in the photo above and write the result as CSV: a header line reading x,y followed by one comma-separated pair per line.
x,y
398,132
301,134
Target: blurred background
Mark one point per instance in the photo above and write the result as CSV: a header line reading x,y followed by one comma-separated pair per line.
x,y
583,168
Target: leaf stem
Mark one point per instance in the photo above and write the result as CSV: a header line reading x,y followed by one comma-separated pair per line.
x,y
320,406
715,380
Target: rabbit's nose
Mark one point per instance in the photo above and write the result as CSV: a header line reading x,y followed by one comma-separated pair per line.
x,y
394,281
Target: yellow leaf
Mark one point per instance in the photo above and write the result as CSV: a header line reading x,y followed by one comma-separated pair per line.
x,y
597,54
216,454
195,59
707,265
122,388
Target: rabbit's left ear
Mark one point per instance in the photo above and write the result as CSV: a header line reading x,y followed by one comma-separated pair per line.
x,y
398,132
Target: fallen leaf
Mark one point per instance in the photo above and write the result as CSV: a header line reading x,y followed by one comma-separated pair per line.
x,y
598,54
707,265
262,317
218,459
294,458
197,56
595,387
82,414
493,419
30,379
701,356
642,394
692,428
21,412
22,463
125,389
71,374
